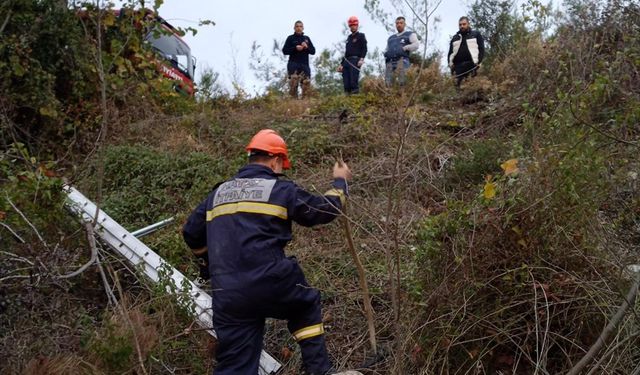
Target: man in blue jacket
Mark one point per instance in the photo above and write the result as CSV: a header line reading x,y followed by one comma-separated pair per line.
x,y
298,47
355,51
396,57
240,231
466,51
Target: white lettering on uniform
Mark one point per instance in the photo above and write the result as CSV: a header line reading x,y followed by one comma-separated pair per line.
x,y
244,189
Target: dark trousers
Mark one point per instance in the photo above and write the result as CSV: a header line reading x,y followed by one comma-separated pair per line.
x,y
239,316
350,74
299,75
463,70
298,68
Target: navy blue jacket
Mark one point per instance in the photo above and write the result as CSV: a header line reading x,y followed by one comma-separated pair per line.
x,y
356,45
245,223
300,57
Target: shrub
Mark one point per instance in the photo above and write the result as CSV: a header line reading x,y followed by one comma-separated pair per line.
x,y
143,185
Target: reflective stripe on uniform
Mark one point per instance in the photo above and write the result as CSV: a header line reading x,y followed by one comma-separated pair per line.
x,y
337,193
248,207
308,332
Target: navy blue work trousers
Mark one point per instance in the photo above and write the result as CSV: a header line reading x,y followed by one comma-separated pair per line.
x,y
350,74
239,317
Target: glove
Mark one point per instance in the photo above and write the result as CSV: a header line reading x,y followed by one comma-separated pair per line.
x,y
203,268
202,258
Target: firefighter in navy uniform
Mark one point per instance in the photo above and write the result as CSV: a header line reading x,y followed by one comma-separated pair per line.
x,y
355,52
240,230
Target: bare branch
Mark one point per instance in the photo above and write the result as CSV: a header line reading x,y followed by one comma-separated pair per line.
x,y
362,279
107,288
602,132
94,253
609,329
415,14
17,257
125,315
610,351
435,7
6,21
27,221
15,235
105,113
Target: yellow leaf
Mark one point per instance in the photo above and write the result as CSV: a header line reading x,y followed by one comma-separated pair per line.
x,y
510,166
109,19
489,190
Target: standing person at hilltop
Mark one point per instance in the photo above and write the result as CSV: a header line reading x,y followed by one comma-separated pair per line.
x,y
466,51
355,51
396,57
298,47
239,232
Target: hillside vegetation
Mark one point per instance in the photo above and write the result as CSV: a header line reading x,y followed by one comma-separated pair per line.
x,y
496,224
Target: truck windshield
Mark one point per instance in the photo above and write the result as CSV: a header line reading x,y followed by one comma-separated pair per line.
x,y
173,49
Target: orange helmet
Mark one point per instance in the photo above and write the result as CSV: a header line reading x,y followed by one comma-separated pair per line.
x,y
271,142
353,20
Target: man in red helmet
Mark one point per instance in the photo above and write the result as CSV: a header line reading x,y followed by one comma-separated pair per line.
x,y
355,51
240,231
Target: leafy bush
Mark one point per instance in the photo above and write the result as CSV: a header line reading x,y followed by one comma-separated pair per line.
x,y
143,185
527,253
481,158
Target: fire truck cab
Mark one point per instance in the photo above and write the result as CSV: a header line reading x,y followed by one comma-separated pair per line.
x,y
175,59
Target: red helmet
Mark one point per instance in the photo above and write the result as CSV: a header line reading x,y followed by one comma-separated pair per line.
x,y
271,142
353,20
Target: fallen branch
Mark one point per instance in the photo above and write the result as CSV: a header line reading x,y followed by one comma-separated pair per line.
x,y
609,329
94,254
610,352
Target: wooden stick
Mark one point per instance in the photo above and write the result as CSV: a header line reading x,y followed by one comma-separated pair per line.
x,y
362,280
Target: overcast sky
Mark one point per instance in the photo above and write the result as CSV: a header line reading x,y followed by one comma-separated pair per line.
x,y
240,23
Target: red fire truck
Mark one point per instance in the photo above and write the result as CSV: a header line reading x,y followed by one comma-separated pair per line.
x,y
175,60
173,55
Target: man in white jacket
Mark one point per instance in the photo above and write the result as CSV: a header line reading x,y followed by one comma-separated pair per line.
x,y
466,51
